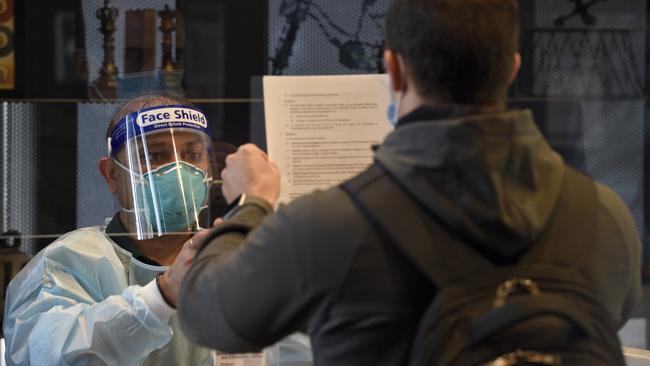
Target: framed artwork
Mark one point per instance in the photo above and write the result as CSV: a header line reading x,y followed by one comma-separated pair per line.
x,y
7,49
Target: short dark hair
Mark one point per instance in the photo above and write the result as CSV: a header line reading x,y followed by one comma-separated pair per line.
x,y
457,51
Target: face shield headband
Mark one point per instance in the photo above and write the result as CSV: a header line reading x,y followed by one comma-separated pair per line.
x,y
154,119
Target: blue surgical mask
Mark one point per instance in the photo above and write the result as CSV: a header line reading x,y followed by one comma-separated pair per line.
x,y
171,195
393,111
395,102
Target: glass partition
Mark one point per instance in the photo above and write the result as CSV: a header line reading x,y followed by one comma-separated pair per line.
x,y
65,66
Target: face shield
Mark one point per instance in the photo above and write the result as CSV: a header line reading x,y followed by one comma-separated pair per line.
x,y
165,158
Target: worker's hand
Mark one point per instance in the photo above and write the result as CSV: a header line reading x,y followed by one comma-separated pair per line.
x,y
170,281
250,171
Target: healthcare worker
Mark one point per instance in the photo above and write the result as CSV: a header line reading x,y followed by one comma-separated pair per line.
x,y
93,297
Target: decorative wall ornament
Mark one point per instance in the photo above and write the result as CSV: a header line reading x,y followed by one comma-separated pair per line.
x,y
106,85
352,31
582,10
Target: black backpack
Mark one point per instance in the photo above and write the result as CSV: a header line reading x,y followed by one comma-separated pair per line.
x,y
539,311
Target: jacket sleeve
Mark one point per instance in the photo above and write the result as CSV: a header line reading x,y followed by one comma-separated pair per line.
x,y
616,257
71,306
200,291
245,292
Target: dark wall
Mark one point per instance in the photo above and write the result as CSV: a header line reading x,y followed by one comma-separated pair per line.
x,y
35,48
226,47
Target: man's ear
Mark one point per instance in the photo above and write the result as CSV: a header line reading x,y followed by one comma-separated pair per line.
x,y
108,170
394,67
515,68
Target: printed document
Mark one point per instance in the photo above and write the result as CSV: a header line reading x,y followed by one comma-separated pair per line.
x,y
320,129
241,359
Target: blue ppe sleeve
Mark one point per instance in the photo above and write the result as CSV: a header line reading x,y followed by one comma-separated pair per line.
x,y
71,306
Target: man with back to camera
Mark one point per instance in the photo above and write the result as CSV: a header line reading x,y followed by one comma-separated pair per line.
x,y
319,266
93,296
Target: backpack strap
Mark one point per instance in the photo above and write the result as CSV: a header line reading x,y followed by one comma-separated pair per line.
x,y
441,257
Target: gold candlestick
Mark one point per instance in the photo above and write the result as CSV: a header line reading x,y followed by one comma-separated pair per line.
x,y
167,26
106,85
180,36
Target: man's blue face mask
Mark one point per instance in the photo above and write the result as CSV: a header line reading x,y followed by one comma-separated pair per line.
x,y
394,104
394,107
171,195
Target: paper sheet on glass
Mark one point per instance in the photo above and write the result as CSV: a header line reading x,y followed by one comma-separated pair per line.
x,y
320,129
241,359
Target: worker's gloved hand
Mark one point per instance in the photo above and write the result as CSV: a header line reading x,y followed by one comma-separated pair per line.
x,y
250,171
170,281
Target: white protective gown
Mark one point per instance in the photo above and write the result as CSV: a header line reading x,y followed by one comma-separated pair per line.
x,y
80,302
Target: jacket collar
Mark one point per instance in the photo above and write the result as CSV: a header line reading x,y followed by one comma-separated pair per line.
x,y
490,177
428,113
